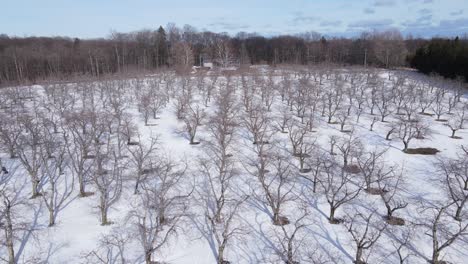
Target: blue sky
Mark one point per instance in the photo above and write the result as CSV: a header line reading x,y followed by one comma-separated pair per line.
x,y
96,18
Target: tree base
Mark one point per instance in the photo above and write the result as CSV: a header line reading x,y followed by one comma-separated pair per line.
x,y
281,221
375,191
335,221
352,168
421,151
395,221
85,194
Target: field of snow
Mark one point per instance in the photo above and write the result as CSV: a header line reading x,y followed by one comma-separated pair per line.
x,y
225,168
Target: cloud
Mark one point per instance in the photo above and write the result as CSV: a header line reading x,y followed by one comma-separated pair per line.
x,y
424,11
451,27
384,3
422,1
335,23
369,10
228,26
460,23
371,24
300,18
457,13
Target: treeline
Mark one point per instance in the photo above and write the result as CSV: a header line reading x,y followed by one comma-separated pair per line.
x,y
446,57
31,59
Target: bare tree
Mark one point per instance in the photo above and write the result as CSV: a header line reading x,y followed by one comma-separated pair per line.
x,y
9,134
107,177
390,188
111,249
442,232
59,186
193,118
258,122
439,106
338,187
290,240
455,182
30,149
457,121
297,134
79,144
152,233
163,187
365,233
141,157
274,173
407,131
374,169
12,203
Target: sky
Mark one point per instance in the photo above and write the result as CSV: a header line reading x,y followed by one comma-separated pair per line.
x,y
97,18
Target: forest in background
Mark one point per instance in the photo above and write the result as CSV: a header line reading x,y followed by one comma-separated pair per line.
x,y
33,59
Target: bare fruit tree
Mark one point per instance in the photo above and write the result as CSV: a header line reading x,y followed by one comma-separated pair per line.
x,y
59,185
455,182
290,239
107,177
275,176
442,232
193,118
141,157
338,187
365,233
30,149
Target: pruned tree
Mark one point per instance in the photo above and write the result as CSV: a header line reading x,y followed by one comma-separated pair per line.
x,y
442,232
457,121
112,248
455,182
30,149
107,176
290,239
274,174
59,186
391,187
407,131
141,157
365,233
193,118
10,131
12,203
152,233
338,187
164,187
79,145
374,169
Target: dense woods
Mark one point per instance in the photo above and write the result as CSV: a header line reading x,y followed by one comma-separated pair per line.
x,y
32,59
446,57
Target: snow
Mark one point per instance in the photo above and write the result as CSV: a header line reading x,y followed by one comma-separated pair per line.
x,y
78,229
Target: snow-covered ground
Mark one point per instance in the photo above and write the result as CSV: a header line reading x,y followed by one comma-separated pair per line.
x,y
78,231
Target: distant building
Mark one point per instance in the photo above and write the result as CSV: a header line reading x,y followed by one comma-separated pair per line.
x,y
208,65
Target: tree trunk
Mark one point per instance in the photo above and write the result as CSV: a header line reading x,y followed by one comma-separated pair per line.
x,y
221,253
459,211
406,145
82,187
103,208
331,219
148,257
359,255
35,187
9,236
51,217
